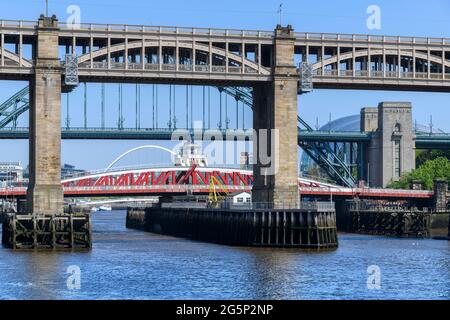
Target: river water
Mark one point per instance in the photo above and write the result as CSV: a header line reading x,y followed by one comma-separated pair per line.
x,y
130,264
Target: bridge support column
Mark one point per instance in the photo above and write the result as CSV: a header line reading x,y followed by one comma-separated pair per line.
x,y
45,194
275,168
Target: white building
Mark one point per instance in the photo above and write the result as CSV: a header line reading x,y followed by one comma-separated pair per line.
x,y
242,198
190,154
11,171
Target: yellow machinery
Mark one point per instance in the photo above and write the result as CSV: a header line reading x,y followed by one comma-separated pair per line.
x,y
216,197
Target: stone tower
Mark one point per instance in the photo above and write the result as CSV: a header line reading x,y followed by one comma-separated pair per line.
x,y
391,150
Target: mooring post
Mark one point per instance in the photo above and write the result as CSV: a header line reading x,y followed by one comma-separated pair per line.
x,y
53,228
35,239
71,239
14,232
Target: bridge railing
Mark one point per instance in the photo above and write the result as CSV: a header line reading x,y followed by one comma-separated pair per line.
x,y
381,74
384,207
167,188
113,170
166,67
368,191
167,30
18,24
303,205
371,38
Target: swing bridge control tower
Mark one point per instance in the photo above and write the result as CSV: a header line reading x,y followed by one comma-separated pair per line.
x,y
264,61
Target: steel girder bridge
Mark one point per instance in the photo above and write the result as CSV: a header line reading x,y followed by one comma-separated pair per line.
x,y
130,53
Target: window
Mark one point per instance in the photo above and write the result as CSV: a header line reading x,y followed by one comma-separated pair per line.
x,y
397,159
240,199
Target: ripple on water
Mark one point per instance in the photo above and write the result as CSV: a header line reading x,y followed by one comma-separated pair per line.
x,y
130,264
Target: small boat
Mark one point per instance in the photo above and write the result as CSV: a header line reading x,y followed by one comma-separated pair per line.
x,y
101,208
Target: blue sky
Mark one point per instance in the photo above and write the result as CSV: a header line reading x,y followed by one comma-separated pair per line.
x,y
408,18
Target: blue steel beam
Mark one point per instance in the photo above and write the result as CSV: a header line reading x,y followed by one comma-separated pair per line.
x,y
440,141
12,108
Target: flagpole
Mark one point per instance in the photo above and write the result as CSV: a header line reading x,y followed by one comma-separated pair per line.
x,y
280,11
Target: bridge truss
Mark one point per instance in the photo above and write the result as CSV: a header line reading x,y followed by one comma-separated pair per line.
x,y
339,155
328,158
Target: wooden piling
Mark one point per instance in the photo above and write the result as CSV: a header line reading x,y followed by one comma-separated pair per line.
x,y
47,231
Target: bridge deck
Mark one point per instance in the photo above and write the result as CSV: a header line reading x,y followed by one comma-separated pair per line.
x,y
232,57
423,141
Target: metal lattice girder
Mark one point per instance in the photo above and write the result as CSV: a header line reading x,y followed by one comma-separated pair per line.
x,y
306,77
12,108
320,152
71,71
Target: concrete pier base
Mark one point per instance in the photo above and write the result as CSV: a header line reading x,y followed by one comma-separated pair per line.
x,y
291,228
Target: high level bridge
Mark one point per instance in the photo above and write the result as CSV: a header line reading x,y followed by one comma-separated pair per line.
x,y
130,53
54,57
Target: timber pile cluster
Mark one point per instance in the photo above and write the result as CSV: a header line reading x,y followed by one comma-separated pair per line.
x,y
34,231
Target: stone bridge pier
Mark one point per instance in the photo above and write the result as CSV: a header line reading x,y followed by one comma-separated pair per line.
x,y
45,194
275,121
275,109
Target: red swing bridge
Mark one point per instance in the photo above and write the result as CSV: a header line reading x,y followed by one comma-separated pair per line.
x,y
195,180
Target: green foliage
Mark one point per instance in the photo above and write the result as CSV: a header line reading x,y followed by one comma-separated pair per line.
x,y
431,170
423,156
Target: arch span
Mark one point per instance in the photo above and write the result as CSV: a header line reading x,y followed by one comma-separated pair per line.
x,y
135,149
15,58
155,44
373,52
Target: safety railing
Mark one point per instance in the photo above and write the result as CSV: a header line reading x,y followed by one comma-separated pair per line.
x,y
381,74
18,24
371,38
173,187
323,206
378,206
368,191
165,30
166,67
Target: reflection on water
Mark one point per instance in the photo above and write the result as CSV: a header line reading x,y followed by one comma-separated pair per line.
x,y
129,264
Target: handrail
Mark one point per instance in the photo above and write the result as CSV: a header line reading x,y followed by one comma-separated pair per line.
x,y
169,29
371,38
233,32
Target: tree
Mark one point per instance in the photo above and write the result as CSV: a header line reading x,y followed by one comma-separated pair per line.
x,y
423,156
431,170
